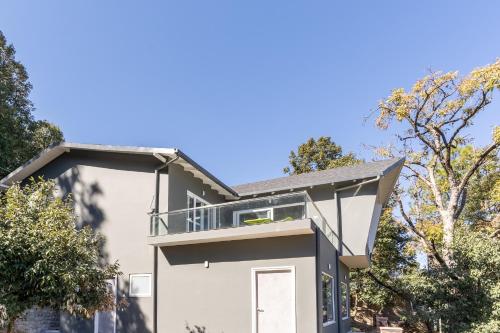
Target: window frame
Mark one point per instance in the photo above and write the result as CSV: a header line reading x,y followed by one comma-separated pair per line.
x,y
196,198
347,316
236,214
148,294
332,285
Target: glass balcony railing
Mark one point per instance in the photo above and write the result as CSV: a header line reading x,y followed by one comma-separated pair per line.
x,y
272,209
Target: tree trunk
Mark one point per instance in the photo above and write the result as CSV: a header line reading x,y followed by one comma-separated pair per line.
x,y
10,326
448,230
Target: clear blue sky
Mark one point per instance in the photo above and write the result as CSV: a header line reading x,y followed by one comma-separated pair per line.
x,y
238,84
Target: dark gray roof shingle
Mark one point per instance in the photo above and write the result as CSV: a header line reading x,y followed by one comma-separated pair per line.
x,y
337,175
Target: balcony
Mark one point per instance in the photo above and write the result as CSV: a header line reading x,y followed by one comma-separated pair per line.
x,y
272,216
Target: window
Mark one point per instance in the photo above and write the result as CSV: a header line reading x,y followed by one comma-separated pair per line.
x,y
140,285
287,212
328,299
197,219
345,300
254,216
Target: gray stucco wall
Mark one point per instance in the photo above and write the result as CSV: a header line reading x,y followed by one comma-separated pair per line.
x,y
324,198
219,297
360,214
358,208
180,182
112,193
327,263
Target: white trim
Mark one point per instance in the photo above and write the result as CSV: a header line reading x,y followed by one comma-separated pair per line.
x,y
191,194
196,198
236,214
254,272
331,322
130,276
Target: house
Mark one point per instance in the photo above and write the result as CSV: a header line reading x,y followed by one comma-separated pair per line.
x,y
200,256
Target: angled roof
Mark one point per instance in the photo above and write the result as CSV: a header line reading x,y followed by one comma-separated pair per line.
x,y
337,175
54,151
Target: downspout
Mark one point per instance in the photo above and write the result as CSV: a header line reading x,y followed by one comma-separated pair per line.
x,y
156,210
337,262
318,280
341,241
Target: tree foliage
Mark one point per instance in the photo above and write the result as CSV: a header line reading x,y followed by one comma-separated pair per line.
x,y
21,136
392,257
320,154
45,260
447,200
435,115
467,300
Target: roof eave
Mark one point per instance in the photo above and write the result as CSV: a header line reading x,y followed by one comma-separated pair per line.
x,y
54,151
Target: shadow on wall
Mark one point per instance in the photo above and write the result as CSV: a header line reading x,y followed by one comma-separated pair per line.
x,y
86,198
196,329
130,318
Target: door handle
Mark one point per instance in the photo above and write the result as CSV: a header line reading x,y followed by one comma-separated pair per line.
x,y
260,310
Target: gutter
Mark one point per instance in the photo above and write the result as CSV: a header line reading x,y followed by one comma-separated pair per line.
x,y
157,170
376,179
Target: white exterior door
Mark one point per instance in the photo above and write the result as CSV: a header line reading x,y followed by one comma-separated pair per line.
x,y
273,300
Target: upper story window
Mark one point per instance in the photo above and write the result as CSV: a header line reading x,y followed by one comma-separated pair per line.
x,y
197,217
328,299
283,212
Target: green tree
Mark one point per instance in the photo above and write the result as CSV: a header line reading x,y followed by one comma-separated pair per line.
x,y
21,136
320,154
377,288
45,261
448,198
434,117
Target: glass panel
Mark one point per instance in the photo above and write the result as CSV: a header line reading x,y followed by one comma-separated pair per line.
x,y
328,305
289,213
273,209
250,218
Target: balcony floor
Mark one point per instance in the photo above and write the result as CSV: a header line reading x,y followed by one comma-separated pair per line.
x,y
277,229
